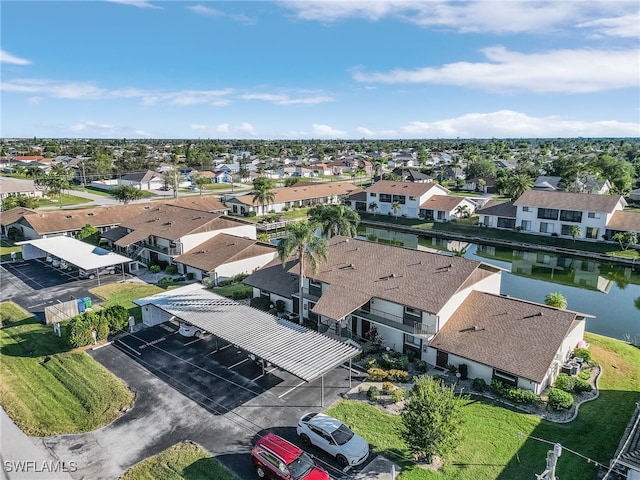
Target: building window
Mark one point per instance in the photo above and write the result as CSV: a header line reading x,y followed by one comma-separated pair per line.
x,y
592,232
412,198
525,226
526,209
487,220
385,198
566,230
593,215
400,199
546,227
440,215
570,216
548,213
411,340
505,377
373,195
412,311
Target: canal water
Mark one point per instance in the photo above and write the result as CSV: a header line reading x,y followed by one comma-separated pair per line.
x,y
609,292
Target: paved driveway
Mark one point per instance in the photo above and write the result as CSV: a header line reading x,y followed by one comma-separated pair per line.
x,y
193,389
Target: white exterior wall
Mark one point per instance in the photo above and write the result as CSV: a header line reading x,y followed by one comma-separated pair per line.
x,y
151,315
392,338
288,303
532,216
248,265
197,273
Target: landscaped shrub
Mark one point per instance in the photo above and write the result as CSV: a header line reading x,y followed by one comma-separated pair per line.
x,y
463,369
250,214
514,394
261,303
398,376
387,388
189,275
452,368
479,384
117,317
102,328
583,353
165,281
235,279
373,393
421,366
395,360
559,399
154,268
581,386
565,382
397,395
171,269
584,374
370,362
376,375
78,331
240,294
280,306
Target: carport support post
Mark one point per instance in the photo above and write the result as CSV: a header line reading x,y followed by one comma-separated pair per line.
x,y
322,391
349,373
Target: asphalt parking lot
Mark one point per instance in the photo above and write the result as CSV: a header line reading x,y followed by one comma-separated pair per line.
x,y
232,400
35,284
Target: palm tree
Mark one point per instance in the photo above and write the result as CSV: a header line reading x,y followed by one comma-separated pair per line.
x,y
335,220
263,192
395,206
556,299
373,206
575,231
518,184
301,241
462,211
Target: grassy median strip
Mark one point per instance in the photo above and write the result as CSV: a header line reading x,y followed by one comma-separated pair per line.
x,y
491,446
182,461
48,390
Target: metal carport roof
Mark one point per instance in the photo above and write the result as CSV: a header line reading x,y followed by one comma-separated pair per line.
x,y
298,350
84,255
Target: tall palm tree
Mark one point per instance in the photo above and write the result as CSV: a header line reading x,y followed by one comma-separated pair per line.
x,y
518,184
263,192
395,206
302,242
335,220
373,206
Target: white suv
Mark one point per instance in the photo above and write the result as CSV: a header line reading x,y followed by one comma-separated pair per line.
x,y
333,437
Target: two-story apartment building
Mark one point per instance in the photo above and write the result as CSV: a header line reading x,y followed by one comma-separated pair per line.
x,y
415,200
406,298
164,232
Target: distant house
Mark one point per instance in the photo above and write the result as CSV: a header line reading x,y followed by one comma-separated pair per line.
x,y
224,256
299,195
444,208
409,175
635,195
547,183
143,180
480,184
15,186
498,214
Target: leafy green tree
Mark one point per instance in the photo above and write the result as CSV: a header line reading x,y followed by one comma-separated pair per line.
x,y
518,184
335,220
431,419
556,299
262,192
302,242
126,193
97,167
201,182
625,239
481,168
291,181
89,234
19,200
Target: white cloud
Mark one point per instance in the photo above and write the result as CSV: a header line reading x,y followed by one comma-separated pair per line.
x,y
470,16
623,26
565,71
286,100
326,131
91,129
136,3
6,57
366,132
511,124
243,130
212,12
34,100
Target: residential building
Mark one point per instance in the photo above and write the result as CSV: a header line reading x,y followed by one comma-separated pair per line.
x,y
299,195
407,298
498,214
224,256
555,213
15,186
163,232
143,180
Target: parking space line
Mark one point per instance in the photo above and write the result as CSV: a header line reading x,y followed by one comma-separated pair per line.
x,y
130,348
221,348
239,363
192,341
291,389
257,378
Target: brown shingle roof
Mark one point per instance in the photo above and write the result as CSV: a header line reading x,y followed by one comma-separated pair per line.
x,y
584,202
498,208
205,203
47,222
423,280
221,249
404,188
442,202
625,221
13,215
274,277
172,222
358,196
509,334
303,191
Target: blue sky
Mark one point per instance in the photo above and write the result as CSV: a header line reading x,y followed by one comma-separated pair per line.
x,y
320,69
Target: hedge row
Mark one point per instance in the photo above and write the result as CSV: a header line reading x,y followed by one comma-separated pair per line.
x,y
380,375
79,331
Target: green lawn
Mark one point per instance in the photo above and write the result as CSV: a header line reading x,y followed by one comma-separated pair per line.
x,y
230,290
65,199
182,461
6,247
48,390
491,447
124,294
96,191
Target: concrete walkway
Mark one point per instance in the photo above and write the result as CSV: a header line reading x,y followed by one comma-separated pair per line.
x,y
26,458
